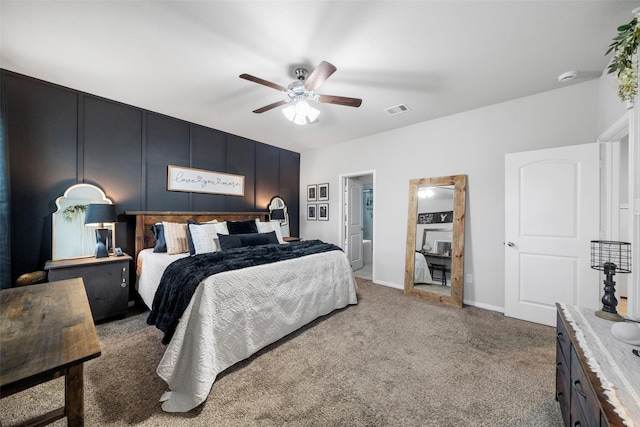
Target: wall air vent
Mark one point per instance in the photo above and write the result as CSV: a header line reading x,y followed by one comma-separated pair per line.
x,y
397,109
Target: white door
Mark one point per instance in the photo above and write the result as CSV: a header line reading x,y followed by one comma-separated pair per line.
x,y
353,208
551,215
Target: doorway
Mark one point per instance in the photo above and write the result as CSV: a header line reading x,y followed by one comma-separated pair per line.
x,y
357,231
621,203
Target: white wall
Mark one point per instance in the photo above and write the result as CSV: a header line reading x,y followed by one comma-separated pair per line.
x,y
472,143
434,205
610,108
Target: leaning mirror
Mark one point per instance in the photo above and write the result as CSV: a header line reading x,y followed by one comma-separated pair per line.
x,y
71,238
435,239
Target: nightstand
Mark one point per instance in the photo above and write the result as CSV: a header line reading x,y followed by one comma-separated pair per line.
x,y
106,281
291,239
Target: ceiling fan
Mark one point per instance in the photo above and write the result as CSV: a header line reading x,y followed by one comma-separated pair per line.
x,y
301,91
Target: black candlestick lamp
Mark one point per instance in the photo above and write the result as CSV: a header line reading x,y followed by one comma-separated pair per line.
x,y
609,256
277,214
99,214
278,210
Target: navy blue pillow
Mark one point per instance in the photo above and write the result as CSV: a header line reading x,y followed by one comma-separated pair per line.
x,y
232,241
242,227
158,233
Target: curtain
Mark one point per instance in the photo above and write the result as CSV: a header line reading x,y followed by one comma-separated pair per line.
x,y
5,229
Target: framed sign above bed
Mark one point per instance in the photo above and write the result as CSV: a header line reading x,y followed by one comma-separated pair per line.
x,y
202,181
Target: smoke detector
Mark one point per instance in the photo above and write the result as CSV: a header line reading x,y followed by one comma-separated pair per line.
x,y
567,77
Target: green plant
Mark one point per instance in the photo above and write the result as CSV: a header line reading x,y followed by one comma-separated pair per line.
x,y
624,62
73,210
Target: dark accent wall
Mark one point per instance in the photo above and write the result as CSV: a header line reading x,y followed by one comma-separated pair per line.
x,y
58,137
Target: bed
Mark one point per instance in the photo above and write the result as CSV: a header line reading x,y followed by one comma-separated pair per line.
x,y
233,314
422,274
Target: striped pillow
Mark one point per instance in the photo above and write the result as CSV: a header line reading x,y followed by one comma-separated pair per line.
x,y
175,235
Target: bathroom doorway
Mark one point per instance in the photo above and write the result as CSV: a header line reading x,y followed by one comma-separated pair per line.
x,y
357,227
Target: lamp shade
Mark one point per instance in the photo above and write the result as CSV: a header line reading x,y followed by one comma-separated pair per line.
x,y
301,113
617,255
100,213
277,214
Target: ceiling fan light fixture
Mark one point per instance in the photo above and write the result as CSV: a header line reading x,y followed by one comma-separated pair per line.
x,y
289,112
301,92
423,193
301,113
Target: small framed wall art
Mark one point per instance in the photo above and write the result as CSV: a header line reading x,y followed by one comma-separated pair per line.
x,y
323,211
323,192
311,193
312,212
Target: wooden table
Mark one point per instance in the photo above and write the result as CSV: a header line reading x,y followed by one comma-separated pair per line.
x,y
47,331
440,263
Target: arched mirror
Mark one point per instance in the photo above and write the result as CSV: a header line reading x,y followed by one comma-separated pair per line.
x,y
278,212
71,238
435,239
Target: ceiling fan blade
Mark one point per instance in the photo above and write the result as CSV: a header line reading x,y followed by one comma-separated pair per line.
x,y
319,75
271,106
340,100
263,82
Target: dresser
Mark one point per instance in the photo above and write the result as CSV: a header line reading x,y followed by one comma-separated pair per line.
x,y
106,281
579,390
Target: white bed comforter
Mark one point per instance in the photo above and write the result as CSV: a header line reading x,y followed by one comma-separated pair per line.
x,y
421,269
150,268
234,314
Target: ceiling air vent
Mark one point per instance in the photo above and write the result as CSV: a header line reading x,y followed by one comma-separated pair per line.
x,y
398,109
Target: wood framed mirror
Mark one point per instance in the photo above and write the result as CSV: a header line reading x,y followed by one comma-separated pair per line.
x,y
434,266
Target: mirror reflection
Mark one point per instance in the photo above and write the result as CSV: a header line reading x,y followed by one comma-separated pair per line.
x,y
435,239
71,238
278,211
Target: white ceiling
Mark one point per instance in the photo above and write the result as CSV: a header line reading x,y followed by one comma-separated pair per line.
x,y
183,58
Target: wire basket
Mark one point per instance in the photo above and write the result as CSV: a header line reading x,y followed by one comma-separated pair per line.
x,y
606,251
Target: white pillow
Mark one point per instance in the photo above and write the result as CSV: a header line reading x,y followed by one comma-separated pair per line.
x,y
175,235
204,236
221,227
268,227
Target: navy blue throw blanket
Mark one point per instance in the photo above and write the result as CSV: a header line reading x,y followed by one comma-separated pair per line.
x,y
182,277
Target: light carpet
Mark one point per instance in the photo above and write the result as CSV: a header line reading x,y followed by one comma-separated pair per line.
x,y
392,360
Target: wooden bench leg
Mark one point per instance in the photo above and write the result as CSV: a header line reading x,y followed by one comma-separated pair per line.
x,y
74,396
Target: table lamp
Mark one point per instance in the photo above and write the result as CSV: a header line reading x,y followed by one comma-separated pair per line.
x,y
610,256
278,210
277,214
99,214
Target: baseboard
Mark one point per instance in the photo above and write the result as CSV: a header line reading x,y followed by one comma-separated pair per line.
x,y
466,302
388,284
485,306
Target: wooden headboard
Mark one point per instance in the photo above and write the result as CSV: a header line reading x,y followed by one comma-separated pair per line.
x,y
145,219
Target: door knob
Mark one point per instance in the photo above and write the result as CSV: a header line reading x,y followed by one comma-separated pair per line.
x,y
511,244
